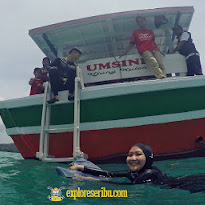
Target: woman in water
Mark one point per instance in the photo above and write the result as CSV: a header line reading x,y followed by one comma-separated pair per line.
x,y
139,161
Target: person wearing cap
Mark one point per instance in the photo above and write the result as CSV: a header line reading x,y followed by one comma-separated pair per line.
x,y
186,47
144,40
139,161
62,74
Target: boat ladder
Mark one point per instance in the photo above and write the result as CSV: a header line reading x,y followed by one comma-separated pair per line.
x,y
45,124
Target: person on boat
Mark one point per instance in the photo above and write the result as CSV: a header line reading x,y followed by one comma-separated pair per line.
x,y
36,83
45,69
62,74
186,47
139,162
144,40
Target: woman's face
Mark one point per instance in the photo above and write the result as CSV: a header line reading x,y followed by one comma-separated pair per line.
x,y
46,62
136,159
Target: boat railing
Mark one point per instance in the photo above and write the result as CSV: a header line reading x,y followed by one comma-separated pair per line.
x,y
129,68
45,124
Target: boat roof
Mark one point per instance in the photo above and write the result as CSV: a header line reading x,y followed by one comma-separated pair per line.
x,y
108,35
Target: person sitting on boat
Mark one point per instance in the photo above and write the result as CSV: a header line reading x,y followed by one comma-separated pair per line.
x,y
186,47
144,40
36,83
45,69
139,162
62,74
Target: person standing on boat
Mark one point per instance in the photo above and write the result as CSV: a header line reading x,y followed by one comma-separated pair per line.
x,y
62,74
45,69
37,82
144,41
186,47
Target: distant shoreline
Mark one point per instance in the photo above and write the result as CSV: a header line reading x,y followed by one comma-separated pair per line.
x,y
8,148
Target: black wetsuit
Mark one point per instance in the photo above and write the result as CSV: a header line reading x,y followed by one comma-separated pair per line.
x,y
193,183
62,75
153,175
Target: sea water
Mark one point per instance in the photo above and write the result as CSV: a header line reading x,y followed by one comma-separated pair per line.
x,y
27,182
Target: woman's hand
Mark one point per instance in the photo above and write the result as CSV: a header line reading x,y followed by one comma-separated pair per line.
x,y
87,178
77,167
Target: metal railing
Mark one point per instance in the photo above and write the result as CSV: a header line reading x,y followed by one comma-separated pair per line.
x,y
45,124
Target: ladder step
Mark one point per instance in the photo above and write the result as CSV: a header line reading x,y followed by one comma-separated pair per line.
x,y
58,159
57,130
60,103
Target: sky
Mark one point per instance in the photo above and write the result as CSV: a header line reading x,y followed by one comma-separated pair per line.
x,y
19,55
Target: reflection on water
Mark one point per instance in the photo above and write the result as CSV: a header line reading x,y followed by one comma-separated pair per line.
x,y
26,181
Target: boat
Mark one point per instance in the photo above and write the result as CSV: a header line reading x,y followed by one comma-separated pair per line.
x,y
117,107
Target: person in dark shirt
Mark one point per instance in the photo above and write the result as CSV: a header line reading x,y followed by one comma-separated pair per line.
x,y
186,47
45,69
139,162
62,74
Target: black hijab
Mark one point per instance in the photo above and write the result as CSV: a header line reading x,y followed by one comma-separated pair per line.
x,y
148,154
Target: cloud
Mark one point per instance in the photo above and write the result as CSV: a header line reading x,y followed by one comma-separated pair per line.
x,y
1,99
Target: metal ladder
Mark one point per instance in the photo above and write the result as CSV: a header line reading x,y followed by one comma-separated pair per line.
x,y
45,124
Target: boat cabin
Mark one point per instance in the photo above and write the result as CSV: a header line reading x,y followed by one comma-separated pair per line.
x,y
103,38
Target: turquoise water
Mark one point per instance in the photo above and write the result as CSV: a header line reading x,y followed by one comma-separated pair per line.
x,y
25,182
